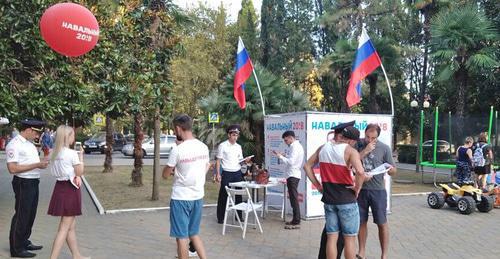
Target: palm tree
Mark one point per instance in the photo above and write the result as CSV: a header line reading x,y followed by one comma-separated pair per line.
x,y
278,98
462,45
335,70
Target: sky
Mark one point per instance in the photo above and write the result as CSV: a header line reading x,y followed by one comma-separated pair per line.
x,y
233,6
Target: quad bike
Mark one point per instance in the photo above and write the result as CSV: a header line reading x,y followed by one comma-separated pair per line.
x,y
465,198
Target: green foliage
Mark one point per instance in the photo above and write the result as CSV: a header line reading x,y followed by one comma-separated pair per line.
x,y
34,80
464,44
247,28
278,98
205,60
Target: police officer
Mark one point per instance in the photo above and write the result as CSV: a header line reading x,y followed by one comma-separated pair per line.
x,y
24,163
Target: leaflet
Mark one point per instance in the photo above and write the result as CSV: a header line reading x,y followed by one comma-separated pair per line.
x,y
382,169
242,160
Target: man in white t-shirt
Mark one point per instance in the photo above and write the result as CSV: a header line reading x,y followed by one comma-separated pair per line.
x,y
24,163
189,163
229,157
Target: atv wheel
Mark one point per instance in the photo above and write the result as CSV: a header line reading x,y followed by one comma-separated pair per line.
x,y
466,205
486,204
435,200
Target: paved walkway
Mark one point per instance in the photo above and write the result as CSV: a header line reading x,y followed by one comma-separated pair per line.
x,y
416,232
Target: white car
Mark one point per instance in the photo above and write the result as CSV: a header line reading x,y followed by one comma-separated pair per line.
x,y
166,144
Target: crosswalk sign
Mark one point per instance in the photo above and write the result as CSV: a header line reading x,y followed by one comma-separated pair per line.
x,y
99,119
213,117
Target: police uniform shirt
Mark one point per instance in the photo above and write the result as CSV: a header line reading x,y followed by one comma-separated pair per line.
x,y
23,152
230,156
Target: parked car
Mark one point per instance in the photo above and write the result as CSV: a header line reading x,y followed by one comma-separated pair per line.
x,y
98,143
442,145
129,138
166,144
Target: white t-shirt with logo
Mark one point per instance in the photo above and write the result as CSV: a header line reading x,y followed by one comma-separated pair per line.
x,y
62,167
23,152
230,156
190,159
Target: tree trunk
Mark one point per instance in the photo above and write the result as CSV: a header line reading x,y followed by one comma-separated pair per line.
x,y
108,160
427,39
139,137
156,163
373,106
461,78
258,132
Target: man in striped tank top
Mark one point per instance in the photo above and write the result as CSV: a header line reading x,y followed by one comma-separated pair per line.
x,y
340,189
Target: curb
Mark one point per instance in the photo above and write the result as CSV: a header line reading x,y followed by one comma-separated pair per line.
x,y
411,194
148,209
97,204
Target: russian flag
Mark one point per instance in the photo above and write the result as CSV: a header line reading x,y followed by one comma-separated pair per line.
x,y
366,61
244,69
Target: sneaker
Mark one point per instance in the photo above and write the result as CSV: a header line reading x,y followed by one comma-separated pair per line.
x,y
190,254
288,223
294,226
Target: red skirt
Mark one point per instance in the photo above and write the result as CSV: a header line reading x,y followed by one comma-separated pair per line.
x,y
66,200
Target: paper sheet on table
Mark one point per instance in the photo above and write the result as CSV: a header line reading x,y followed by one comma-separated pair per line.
x,y
242,160
382,169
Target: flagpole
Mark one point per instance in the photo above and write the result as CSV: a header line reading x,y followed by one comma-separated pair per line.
x,y
388,87
260,92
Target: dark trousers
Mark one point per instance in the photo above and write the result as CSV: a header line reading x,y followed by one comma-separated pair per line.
x,y
26,193
227,177
292,183
322,247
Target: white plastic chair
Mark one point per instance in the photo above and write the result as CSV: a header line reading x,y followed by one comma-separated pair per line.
x,y
246,207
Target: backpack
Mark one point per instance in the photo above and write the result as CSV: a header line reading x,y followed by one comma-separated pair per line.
x,y
478,159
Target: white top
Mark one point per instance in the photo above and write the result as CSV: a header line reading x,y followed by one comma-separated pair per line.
x,y
23,152
294,160
63,165
230,156
190,159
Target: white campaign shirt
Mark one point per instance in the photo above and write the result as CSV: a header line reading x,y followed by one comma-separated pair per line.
x,y
190,159
63,165
294,160
230,156
23,152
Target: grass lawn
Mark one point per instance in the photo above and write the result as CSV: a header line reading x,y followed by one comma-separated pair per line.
x,y
114,192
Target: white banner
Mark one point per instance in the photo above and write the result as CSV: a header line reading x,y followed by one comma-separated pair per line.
x,y
311,128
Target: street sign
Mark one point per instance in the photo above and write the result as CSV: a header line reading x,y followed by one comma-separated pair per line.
x,y
213,117
99,119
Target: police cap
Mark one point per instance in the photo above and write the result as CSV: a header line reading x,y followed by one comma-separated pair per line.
x,y
34,124
339,127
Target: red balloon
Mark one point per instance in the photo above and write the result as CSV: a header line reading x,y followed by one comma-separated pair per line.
x,y
69,29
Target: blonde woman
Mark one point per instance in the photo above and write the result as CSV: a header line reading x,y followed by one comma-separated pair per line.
x,y
464,162
66,202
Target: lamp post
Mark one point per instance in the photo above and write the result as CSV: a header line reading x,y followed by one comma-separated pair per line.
x,y
414,104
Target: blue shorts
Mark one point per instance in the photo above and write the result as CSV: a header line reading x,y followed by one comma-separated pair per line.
x,y
185,217
343,218
375,199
